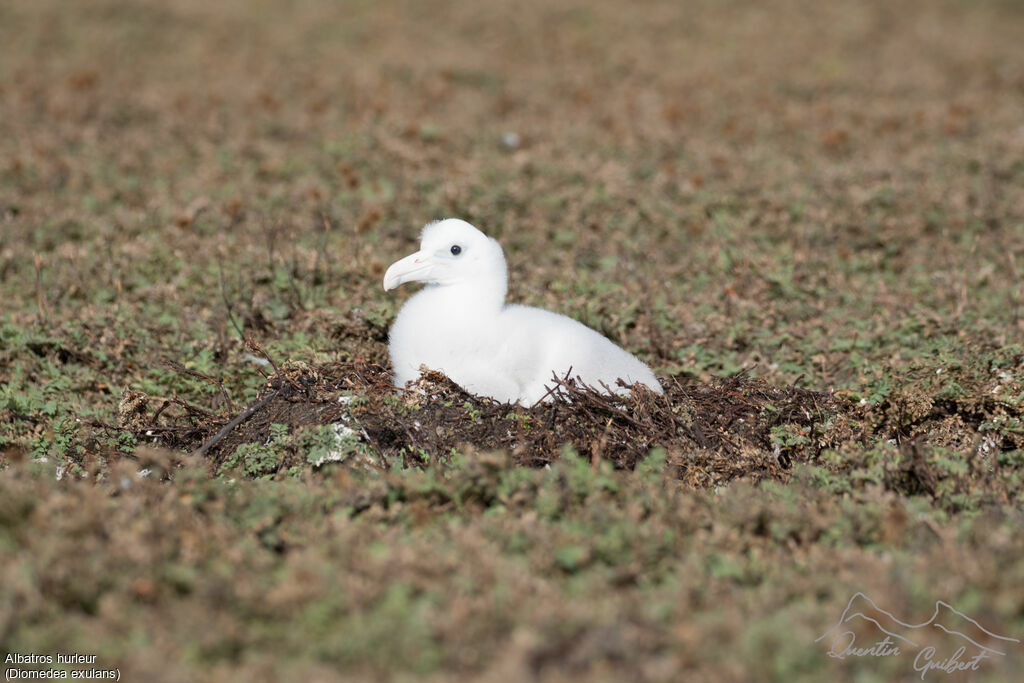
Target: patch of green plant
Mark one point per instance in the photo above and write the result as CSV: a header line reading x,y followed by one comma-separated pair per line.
x,y
258,460
328,443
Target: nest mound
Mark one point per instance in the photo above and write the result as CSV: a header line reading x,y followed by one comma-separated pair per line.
x,y
711,433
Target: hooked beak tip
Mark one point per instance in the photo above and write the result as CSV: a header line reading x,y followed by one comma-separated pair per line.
x,y
413,268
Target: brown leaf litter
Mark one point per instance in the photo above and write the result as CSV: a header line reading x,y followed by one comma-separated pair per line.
x,y
712,433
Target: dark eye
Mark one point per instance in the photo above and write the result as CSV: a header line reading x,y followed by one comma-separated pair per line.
x,y
456,250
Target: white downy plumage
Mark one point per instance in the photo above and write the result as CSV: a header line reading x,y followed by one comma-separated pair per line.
x,y
460,324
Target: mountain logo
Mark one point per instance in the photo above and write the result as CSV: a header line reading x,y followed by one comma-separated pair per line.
x,y
862,615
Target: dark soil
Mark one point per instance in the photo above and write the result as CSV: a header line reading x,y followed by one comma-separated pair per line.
x,y
712,432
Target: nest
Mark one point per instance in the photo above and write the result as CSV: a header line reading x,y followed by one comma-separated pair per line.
x,y
711,433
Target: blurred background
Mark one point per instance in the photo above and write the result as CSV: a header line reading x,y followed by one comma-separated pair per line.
x,y
784,163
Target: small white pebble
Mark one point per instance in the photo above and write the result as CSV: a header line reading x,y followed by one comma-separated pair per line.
x,y
510,139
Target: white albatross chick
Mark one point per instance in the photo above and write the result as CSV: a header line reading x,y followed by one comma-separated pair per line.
x,y
460,325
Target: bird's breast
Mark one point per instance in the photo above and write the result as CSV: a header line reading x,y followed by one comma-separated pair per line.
x,y
434,332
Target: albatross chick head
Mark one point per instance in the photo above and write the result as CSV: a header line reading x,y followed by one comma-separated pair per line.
x,y
452,253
